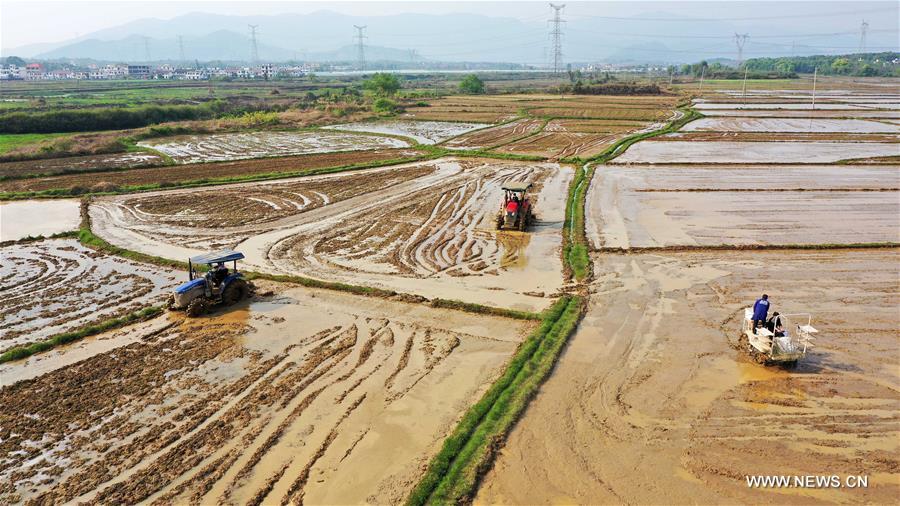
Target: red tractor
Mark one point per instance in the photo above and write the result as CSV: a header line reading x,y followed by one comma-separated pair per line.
x,y
515,212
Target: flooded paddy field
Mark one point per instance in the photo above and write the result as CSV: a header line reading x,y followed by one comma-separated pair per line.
x,y
79,163
653,384
818,113
53,286
742,205
424,132
223,216
236,146
827,106
182,173
433,234
657,151
302,396
792,125
561,144
497,135
18,218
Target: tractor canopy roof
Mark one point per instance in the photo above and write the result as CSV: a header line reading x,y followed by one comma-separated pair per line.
x,y
223,255
516,186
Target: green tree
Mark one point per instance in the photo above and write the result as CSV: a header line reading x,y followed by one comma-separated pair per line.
x,y
471,84
15,60
382,84
840,65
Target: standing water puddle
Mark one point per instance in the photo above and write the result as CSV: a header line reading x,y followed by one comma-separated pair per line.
x,y
37,217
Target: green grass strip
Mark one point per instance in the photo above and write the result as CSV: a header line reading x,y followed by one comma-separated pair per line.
x,y
482,309
20,352
453,474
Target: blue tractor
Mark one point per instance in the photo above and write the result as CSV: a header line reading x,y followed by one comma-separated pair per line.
x,y
219,286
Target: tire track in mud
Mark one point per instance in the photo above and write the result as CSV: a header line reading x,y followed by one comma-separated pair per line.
x,y
223,216
53,286
191,416
445,229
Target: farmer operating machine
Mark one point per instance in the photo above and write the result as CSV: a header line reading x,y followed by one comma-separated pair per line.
x,y
219,286
787,341
515,211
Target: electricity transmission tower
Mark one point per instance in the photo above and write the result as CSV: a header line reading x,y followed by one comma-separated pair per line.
x,y
180,48
360,47
740,39
146,48
254,48
863,28
556,37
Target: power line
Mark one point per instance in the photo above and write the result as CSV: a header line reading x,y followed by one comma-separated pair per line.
x,y
360,47
740,39
556,36
254,48
756,18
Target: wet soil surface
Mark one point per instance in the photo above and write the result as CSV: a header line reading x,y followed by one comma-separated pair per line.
x,y
653,402
432,233
78,163
657,151
305,396
54,286
747,204
424,132
235,146
193,172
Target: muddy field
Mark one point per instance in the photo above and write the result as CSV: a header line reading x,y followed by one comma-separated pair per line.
x,y
653,385
657,151
289,400
176,174
79,163
798,125
424,132
818,113
54,286
432,235
502,134
237,146
223,216
742,205
557,145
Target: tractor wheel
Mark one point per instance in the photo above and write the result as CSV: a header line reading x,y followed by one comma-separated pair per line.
x,y
523,221
235,292
500,221
170,303
196,307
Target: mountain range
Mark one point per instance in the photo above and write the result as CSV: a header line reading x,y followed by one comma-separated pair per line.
x,y
653,37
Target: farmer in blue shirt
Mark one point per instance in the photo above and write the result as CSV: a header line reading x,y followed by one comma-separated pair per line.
x,y
760,311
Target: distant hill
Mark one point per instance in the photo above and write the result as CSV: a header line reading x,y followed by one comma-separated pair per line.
x,y
651,37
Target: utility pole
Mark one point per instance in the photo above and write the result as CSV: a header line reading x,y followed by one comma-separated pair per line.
x,y
740,39
744,86
793,47
556,37
181,48
360,47
863,28
702,73
254,48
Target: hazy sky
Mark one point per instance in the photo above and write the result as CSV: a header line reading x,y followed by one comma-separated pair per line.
x,y
34,21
